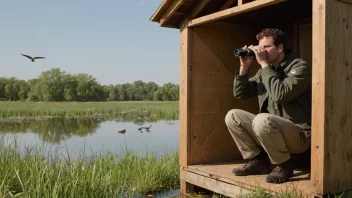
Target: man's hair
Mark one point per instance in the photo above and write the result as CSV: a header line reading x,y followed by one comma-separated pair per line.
x,y
277,35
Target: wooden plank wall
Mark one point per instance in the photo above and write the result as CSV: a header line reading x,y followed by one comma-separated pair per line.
x,y
338,96
305,42
332,108
213,66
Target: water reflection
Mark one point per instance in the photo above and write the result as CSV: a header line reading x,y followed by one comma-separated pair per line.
x,y
54,130
95,135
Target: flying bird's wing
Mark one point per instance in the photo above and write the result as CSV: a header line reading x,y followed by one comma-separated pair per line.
x,y
27,56
39,58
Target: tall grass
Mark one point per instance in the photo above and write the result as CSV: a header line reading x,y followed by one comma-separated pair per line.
x,y
31,174
162,110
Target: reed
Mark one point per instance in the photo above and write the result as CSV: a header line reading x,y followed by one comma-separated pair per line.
x,y
145,109
34,173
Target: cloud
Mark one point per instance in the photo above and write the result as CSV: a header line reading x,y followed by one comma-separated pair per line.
x,y
141,3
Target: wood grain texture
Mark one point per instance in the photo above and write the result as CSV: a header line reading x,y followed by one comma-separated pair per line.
x,y
170,11
214,185
232,11
228,3
185,100
318,96
213,66
338,97
346,1
198,8
221,172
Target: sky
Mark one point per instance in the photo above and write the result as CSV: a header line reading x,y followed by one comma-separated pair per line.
x,y
112,40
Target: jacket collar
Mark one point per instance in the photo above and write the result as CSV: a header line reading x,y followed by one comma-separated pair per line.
x,y
289,56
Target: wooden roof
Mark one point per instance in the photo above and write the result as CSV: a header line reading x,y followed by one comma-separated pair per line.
x,y
171,13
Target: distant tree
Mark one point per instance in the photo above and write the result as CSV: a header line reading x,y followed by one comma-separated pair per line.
x,y
34,93
122,89
70,88
52,85
113,93
57,85
138,90
167,92
128,91
23,88
174,93
157,96
3,82
107,89
11,91
150,89
88,88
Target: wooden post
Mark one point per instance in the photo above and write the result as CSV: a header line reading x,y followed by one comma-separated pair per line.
x,y
332,81
185,119
318,96
338,96
184,105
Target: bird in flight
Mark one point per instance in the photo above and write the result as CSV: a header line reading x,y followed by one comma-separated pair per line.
x,y
32,58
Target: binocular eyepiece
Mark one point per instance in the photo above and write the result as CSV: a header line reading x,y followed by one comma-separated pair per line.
x,y
244,52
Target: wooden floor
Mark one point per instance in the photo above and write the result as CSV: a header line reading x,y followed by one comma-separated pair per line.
x,y
223,172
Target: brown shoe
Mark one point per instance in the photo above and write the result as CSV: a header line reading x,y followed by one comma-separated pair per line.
x,y
255,166
281,173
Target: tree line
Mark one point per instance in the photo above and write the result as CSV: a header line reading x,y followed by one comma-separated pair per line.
x,y
57,85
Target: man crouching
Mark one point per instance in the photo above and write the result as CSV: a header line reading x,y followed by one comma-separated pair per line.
x,y
282,127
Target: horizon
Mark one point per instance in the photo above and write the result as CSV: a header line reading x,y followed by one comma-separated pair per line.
x,y
27,80
114,42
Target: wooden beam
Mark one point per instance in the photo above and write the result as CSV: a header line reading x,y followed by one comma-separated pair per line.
x,y
198,8
185,96
228,3
346,1
158,12
185,188
170,11
214,185
187,4
232,11
180,14
319,158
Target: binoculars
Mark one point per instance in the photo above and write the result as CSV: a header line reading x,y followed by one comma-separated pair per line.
x,y
244,52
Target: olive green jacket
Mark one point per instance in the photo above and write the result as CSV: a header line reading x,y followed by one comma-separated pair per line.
x,y
285,92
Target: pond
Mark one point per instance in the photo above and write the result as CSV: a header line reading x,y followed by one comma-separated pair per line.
x,y
94,135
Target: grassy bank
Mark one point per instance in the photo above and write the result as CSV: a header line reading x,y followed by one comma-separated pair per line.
x,y
160,110
30,174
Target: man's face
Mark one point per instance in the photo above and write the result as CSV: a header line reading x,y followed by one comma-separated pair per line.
x,y
272,51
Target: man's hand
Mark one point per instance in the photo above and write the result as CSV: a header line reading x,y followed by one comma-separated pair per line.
x,y
260,54
245,63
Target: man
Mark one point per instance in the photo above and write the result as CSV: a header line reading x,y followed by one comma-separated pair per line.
x,y
282,128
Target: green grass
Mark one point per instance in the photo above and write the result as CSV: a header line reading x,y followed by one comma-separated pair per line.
x,y
154,110
30,174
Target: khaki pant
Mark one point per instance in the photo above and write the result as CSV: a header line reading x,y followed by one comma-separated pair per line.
x,y
279,137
